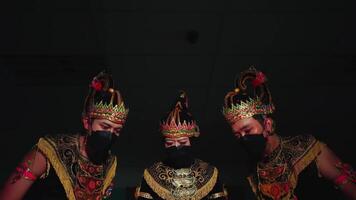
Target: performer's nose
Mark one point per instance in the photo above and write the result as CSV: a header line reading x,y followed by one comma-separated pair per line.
x,y
176,144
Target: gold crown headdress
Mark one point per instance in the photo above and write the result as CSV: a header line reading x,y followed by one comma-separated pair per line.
x,y
240,104
179,122
103,102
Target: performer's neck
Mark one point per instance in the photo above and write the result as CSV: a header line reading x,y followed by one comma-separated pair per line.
x,y
82,148
273,142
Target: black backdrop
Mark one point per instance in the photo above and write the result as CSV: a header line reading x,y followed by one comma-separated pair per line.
x,y
50,49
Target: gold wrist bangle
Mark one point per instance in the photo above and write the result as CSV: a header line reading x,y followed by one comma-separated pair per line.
x,y
144,195
217,195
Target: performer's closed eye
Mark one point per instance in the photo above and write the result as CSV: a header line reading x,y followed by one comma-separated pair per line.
x,y
183,142
104,126
169,142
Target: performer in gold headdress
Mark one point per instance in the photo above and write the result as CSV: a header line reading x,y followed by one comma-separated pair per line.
x,y
74,166
279,162
180,175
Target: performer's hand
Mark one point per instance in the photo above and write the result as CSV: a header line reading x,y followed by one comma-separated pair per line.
x,y
331,167
33,165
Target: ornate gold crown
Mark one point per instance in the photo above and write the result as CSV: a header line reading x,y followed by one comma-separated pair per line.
x,y
173,127
174,130
246,109
116,114
250,97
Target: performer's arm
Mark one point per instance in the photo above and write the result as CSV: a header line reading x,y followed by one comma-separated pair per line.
x,y
32,167
219,192
331,167
143,192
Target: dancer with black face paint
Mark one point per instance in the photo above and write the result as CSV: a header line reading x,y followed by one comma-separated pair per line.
x,y
180,176
281,166
79,166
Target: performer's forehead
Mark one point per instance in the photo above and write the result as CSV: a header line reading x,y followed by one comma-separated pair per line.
x,y
108,122
177,139
242,123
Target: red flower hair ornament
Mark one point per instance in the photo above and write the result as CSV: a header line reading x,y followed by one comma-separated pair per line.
x,y
96,85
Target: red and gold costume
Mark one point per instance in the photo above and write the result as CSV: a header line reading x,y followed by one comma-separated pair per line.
x,y
276,176
79,177
69,174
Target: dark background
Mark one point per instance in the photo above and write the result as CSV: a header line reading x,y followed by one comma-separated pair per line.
x,y
49,50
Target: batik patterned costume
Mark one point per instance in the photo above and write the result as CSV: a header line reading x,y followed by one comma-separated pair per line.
x,y
276,176
195,181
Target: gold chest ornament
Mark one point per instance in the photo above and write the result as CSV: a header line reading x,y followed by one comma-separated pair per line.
x,y
192,183
183,183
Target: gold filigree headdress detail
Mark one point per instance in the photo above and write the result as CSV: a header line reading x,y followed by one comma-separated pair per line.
x,y
104,102
239,104
175,125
